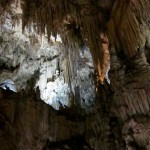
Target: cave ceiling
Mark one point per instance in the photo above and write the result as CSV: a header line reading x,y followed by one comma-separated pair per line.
x,y
124,23
78,22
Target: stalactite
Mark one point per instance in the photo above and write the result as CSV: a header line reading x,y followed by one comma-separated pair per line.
x,y
91,21
45,14
124,25
16,19
53,15
50,17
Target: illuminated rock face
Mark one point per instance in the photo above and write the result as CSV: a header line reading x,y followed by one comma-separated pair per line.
x,y
54,89
21,55
8,84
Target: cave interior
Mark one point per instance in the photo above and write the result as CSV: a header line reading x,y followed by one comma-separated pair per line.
x,y
75,75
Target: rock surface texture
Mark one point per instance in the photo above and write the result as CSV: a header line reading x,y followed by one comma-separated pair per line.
x,y
63,100
25,55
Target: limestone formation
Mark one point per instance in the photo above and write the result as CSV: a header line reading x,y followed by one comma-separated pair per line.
x,y
75,75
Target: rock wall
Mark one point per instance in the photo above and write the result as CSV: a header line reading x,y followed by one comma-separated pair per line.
x,y
130,84
27,123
